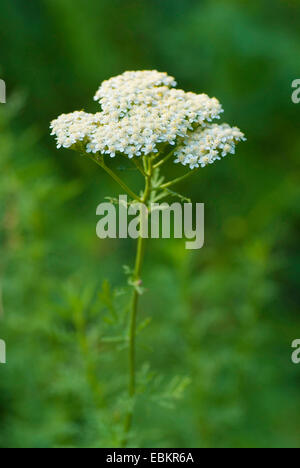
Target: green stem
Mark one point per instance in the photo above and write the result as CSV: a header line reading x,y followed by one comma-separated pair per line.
x,y
138,166
134,307
121,183
179,179
132,338
165,159
102,164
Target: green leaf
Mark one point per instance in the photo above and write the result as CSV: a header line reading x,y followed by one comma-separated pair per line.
x,y
144,324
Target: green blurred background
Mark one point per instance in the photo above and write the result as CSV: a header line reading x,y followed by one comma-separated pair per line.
x,y
215,364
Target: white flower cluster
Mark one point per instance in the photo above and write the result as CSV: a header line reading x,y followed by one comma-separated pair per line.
x,y
205,146
120,93
74,127
140,110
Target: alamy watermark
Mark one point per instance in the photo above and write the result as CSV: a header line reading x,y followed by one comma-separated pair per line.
x,y
2,92
2,352
296,354
158,220
296,93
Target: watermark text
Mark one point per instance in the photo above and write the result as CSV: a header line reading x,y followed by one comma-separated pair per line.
x,y
2,352
2,92
159,220
296,353
296,93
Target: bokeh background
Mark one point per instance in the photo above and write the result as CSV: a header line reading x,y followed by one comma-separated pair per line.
x,y
214,362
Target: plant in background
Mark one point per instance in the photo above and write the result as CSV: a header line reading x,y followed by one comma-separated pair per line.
x,y
144,118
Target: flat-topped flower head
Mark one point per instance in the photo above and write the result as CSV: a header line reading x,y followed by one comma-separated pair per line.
x,y
72,128
121,92
139,111
204,146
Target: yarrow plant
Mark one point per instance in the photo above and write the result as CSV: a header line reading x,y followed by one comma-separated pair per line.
x,y
144,118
